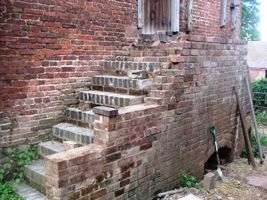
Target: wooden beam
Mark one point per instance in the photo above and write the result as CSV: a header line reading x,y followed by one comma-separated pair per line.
x,y
175,15
189,15
140,14
233,14
245,131
223,13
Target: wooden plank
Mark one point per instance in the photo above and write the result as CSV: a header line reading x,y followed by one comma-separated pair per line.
x,y
175,15
140,14
223,13
245,130
153,17
159,14
166,14
169,15
146,29
189,15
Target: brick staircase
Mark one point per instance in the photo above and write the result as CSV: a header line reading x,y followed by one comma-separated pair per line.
x,y
124,84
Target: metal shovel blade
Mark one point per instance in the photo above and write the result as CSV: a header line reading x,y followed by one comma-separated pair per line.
x,y
213,132
220,173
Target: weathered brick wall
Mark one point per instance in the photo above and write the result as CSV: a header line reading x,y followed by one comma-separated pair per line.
x,y
206,19
50,48
143,150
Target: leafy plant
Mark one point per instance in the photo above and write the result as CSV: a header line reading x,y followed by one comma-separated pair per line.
x,y
261,118
7,192
263,140
255,150
250,20
187,180
14,168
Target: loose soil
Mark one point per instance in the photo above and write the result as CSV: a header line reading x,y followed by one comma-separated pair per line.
x,y
235,187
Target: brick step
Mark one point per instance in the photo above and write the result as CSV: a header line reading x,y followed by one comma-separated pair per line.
x,y
66,131
28,193
161,79
49,148
161,93
110,99
125,66
171,73
36,175
153,100
80,118
118,83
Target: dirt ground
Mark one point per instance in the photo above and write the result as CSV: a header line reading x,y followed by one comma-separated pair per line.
x,y
235,187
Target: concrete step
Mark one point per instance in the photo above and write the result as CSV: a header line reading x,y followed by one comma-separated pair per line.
x,y
131,65
81,118
28,193
120,82
66,131
49,148
36,175
109,98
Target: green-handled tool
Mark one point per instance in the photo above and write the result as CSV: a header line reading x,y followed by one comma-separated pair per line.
x,y
213,133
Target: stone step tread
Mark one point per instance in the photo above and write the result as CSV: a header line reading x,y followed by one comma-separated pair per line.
x,y
35,174
50,147
131,65
111,76
121,82
28,193
75,129
67,131
80,115
110,98
37,167
78,110
111,94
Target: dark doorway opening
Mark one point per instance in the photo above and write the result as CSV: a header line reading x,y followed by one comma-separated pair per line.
x,y
225,155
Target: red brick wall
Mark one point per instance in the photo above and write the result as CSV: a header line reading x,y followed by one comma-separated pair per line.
x,y
256,74
206,19
49,48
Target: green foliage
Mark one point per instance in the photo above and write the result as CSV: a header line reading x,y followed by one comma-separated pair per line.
x,y
261,118
7,192
255,150
254,146
187,180
250,20
259,89
14,168
263,140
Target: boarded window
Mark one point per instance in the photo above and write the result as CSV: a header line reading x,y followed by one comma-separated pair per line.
x,y
158,15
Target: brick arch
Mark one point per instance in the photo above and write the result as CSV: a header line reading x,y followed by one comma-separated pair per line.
x,y
226,144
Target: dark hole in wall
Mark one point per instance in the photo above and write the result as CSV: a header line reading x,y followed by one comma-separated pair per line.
x,y
225,155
